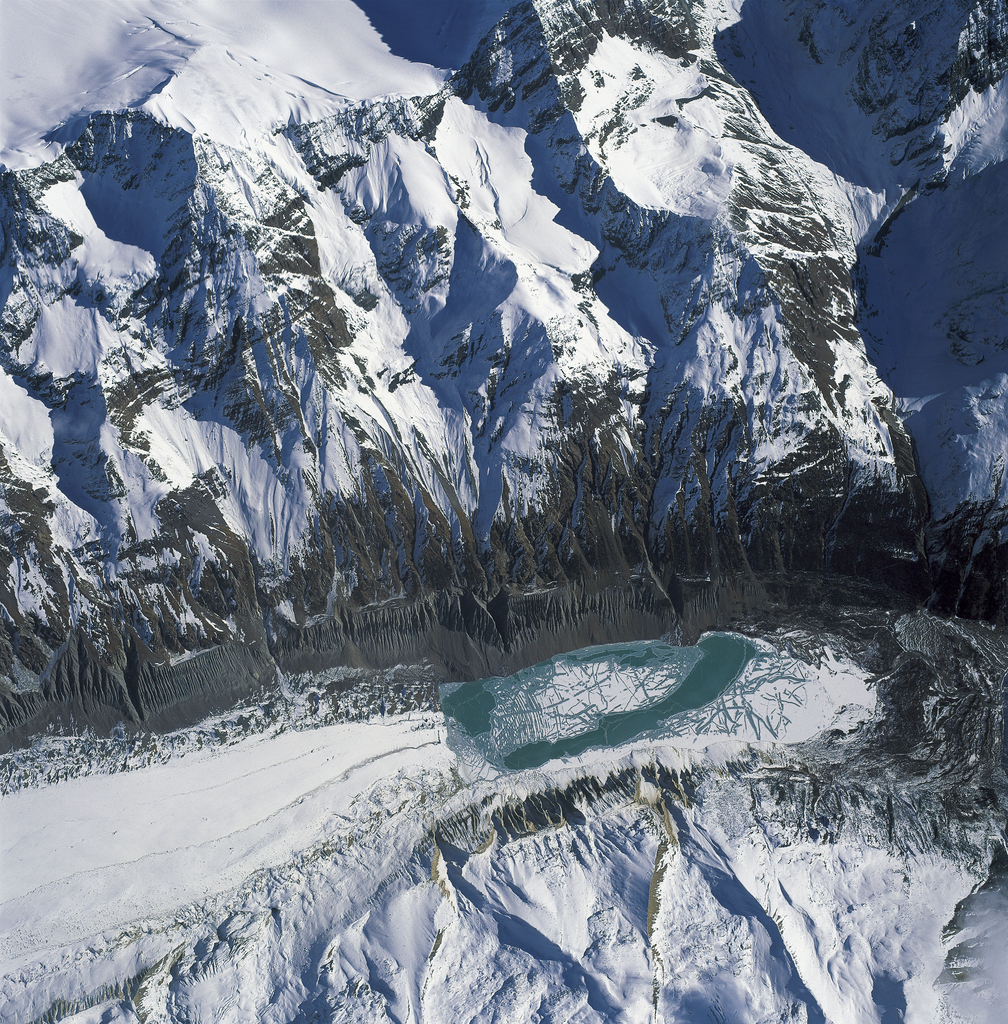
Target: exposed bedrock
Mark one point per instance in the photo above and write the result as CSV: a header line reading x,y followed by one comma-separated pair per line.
x,y
456,635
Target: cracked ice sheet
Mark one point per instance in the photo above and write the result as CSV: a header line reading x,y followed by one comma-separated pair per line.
x,y
577,690
778,698
775,698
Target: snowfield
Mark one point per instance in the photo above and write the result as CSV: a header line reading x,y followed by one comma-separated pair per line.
x,y
230,68
96,854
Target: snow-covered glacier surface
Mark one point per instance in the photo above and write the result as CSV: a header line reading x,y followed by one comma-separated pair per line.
x,y
334,852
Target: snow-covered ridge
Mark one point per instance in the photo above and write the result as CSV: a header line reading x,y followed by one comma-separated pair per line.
x,y
219,68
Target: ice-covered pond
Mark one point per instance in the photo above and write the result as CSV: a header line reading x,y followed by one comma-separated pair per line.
x,y
724,686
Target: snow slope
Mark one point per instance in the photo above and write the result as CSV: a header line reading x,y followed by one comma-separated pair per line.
x,y
924,129
216,66
344,871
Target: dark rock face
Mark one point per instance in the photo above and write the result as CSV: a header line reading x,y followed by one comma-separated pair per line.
x,y
329,417
931,283
455,635
971,562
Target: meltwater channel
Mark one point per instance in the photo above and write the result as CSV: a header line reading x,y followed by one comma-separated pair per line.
x,y
595,697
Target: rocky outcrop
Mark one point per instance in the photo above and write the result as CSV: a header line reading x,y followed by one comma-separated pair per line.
x,y
924,83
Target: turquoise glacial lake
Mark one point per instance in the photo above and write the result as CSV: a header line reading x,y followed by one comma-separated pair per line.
x,y
595,697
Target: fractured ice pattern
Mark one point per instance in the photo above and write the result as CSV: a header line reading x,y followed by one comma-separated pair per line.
x,y
779,698
725,687
571,695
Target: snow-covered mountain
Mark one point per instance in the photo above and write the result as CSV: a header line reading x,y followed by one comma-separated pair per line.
x,y
351,350
631,314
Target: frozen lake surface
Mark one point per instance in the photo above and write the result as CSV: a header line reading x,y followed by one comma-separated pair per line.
x,y
724,686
